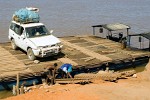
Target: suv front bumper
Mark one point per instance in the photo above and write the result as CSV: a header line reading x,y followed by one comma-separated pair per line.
x,y
45,52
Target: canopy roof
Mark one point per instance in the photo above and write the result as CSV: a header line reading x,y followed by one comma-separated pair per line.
x,y
113,27
146,35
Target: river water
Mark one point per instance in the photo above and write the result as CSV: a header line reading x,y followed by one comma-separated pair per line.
x,y
75,17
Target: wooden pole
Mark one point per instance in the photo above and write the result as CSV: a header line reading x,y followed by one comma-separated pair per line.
x,y
21,90
127,32
14,90
149,45
107,67
93,30
17,84
129,37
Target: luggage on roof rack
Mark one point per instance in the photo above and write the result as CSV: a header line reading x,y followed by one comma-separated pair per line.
x,y
33,9
26,16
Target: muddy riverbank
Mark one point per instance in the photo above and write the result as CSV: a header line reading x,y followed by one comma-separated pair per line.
x,y
126,89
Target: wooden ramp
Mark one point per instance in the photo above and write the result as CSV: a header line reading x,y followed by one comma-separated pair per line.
x,y
10,65
80,51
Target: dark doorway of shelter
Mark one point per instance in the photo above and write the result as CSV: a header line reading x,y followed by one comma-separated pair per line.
x,y
119,38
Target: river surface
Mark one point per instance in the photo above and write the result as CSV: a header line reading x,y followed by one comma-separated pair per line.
x,y
74,17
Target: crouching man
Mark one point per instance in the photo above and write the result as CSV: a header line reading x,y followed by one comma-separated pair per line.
x,y
50,74
65,70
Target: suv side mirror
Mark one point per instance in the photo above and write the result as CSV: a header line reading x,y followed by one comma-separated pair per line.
x,y
23,36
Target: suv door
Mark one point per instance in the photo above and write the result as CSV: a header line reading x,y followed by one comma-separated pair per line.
x,y
23,39
17,33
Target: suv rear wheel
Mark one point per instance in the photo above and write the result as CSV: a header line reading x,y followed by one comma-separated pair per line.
x,y
13,44
30,54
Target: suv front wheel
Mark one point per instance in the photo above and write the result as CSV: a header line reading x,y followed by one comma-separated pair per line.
x,y
30,54
13,44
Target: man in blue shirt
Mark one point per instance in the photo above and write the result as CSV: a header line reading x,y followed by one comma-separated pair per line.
x,y
66,68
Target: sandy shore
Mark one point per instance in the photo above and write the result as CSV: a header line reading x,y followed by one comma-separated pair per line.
x,y
127,89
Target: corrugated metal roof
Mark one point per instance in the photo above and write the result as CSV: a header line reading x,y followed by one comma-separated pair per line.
x,y
116,26
146,35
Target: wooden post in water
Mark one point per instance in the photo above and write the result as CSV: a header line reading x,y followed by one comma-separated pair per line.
x,y
107,67
17,84
14,90
21,90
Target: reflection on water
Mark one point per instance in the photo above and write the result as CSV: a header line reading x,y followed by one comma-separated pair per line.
x,y
4,94
139,68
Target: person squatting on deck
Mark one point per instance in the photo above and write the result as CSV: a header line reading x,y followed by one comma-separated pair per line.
x,y
50,72
65,70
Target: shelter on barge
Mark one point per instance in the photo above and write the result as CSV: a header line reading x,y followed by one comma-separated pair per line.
x,y
116,32
143,40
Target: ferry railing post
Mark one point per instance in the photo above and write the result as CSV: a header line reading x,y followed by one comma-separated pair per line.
x,y
21,90
14,90
17,84
107,67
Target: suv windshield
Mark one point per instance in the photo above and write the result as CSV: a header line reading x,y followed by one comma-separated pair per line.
x,y
36,31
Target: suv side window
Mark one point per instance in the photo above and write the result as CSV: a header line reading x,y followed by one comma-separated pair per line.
x,y
12,26
16,28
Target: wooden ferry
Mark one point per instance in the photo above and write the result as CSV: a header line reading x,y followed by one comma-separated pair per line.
x,y
85,53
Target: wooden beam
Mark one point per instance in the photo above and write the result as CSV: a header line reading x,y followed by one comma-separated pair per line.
x,y
149,45
17,84
93,30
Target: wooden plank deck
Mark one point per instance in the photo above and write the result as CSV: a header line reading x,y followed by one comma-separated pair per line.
x,y
9,64
86,51
79,51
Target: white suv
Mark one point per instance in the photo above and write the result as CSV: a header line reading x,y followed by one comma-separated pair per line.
x,y
35,39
